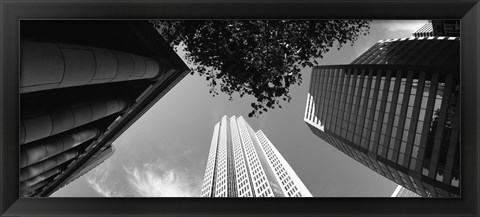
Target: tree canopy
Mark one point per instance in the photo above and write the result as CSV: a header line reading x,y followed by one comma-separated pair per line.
x,y
261,58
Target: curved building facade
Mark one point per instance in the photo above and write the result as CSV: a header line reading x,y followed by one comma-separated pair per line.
x,y
82,84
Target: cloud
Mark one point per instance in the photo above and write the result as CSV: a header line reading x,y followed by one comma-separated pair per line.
x,y
97,179
158,180
103,190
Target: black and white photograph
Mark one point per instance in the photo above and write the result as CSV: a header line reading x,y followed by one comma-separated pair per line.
x,y
240,108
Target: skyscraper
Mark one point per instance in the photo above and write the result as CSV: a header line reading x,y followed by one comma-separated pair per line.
x,y
244,163
403,192
395,110
424,31
82,84
439,28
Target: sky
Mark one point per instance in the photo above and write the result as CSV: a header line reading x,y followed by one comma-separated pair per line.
x,y
164,153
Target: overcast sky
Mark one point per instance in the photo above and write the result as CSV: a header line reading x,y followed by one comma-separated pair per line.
x,y
164,153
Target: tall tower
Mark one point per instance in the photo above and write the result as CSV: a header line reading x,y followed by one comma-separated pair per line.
x,y
403,192
395,109
244,163
439,28
82,84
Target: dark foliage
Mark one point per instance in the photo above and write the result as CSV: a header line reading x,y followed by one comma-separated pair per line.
x,y
261,58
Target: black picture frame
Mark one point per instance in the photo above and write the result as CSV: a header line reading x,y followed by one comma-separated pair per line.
x,y
11,11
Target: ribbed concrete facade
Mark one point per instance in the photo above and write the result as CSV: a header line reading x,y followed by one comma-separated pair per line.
x,y
93,162
395,110
244,163
42,123
43,149
82,84
47,66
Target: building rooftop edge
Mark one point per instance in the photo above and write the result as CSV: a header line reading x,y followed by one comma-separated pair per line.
x,y
420,38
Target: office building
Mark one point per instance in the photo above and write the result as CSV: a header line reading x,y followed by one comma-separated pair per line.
x,y
395,109
449,28
97,159
244,163
82,84
424,31
403,192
